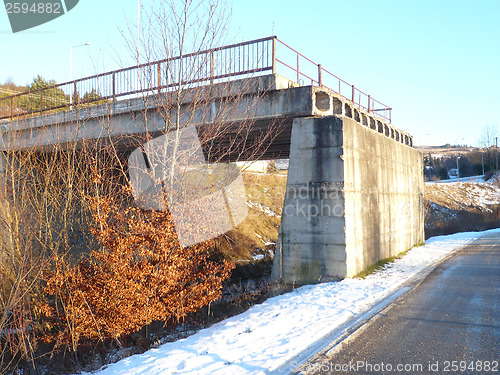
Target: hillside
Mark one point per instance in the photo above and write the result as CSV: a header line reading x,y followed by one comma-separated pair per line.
x,y
449,208
255,237
462,206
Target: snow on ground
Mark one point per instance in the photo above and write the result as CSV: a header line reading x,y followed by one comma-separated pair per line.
x,y
495,180
262,208
269,334
461,179
464,195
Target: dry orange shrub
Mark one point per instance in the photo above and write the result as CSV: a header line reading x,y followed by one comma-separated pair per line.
x,y
140,275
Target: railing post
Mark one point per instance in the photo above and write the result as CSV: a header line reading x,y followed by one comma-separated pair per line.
x,y
353,94
11,106
74,94
114,87
212,67
320,82
159,78
298,69
41,100
369,102
274,55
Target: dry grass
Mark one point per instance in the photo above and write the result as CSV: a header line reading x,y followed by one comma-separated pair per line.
x,y
468,196
462,206
265,195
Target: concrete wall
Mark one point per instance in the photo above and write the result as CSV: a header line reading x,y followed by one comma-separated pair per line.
x,y
354,196
311,238
383,189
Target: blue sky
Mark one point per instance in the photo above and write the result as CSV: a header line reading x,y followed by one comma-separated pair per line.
x,y
435,62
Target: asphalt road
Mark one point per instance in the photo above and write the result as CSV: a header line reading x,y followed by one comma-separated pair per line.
x,y
448,324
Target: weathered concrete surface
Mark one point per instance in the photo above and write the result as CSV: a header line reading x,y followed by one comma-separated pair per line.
x,y
260,100
354,196
264,101
383,190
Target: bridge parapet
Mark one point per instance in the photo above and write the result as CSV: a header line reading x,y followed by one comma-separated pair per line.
x,y
274,97
216,65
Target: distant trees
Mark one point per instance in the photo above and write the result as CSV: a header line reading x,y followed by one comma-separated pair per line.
x,y
51,97
469,162
488,141
488,135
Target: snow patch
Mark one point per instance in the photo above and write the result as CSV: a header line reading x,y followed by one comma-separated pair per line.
x,y
261,208
269,334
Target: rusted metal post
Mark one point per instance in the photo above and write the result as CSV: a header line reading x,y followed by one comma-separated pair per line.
x,y
159,77
12,106
212,67
75,97
114,86
369,103
353,94
41,100
274,55
320,81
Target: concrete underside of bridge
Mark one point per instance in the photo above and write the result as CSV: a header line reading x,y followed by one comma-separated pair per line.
x,y
354,196
355,184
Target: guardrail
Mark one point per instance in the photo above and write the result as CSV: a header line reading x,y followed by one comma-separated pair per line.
x,y
199,68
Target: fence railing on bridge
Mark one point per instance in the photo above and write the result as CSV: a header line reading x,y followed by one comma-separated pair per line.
x,y
200,68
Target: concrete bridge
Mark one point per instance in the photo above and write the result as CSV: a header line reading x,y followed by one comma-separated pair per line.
x,y
355,183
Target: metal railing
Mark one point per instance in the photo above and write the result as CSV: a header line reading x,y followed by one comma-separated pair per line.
x,y
319,76
199,68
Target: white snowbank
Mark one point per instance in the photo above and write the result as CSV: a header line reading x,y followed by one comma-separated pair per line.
x,y
269,334
461,179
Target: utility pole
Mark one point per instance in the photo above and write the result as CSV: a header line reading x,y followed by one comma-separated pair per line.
x,y
496,152
71,70
138,31
482,160
458,156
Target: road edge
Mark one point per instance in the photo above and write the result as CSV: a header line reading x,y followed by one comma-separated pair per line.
x,y
333,340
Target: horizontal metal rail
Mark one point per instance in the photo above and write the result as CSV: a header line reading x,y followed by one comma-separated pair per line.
x,y
317,75
198,68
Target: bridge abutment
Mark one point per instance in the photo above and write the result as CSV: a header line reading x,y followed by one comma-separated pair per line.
x,y
354,196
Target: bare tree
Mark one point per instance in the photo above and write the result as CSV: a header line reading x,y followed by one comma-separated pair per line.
x,y
488,136
199,117
191,128
488,141
181,189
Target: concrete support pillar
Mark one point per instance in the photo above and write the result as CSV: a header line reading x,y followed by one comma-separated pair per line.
x,y
311,244
353,197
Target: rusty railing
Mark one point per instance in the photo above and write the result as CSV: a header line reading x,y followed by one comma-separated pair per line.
x,y
200,68
319,76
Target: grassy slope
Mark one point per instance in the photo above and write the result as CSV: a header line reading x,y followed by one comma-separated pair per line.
x,y
450,208
265,194
462,206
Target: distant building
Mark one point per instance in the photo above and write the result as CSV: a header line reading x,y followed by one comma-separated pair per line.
x,y
453,173
262,166
257,166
